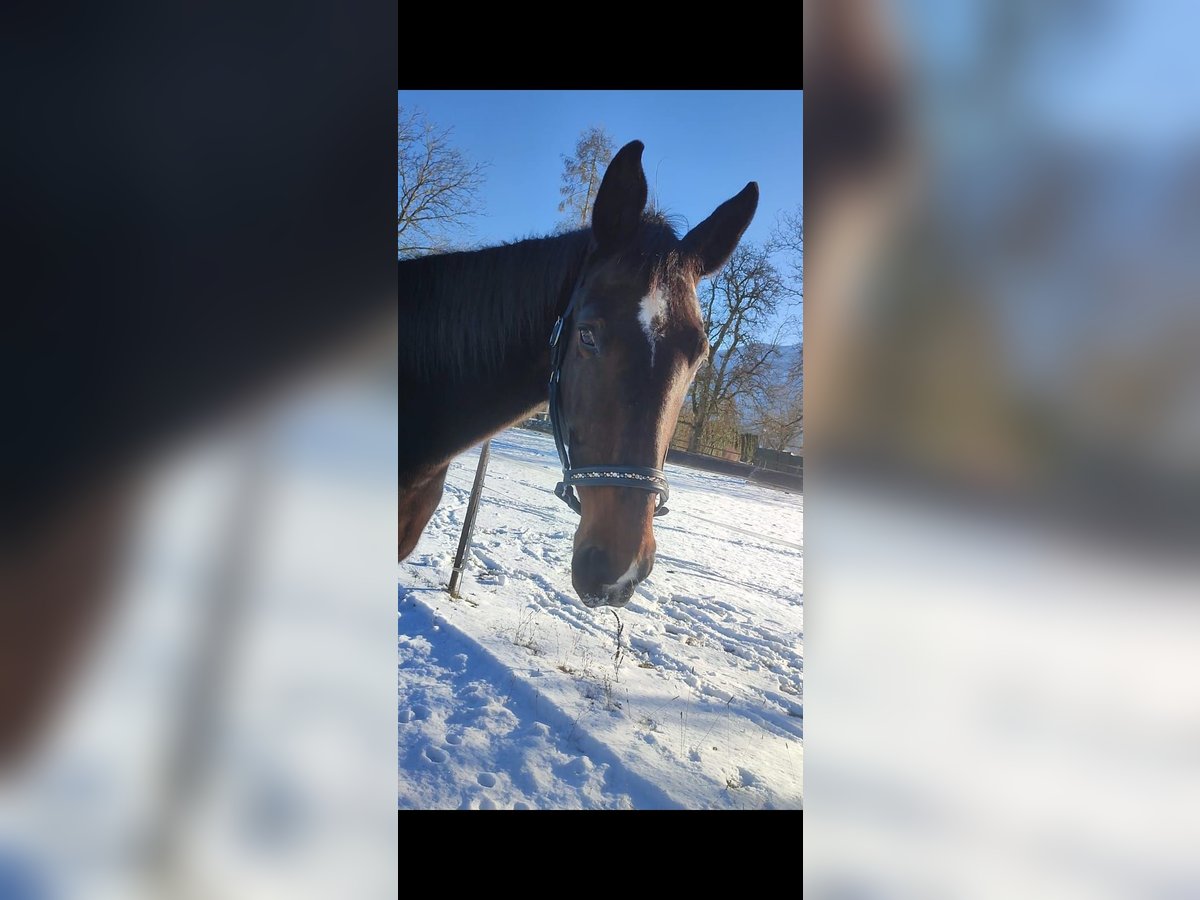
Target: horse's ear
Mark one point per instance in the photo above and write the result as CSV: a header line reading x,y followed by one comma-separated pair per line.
x,y
712,241
621,198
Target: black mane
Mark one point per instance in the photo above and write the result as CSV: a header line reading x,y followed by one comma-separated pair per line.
x,y
463,312
466,311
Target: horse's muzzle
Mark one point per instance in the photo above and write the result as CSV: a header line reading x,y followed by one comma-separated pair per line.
x,y
598,584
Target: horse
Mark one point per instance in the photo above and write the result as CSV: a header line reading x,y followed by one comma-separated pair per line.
x,y
604,323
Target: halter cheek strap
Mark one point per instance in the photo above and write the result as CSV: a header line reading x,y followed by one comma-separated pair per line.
x,y
642,478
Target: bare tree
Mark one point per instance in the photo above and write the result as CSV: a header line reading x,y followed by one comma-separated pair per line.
x,y
788,238
737,303
776,400
581,176
777,406
438,185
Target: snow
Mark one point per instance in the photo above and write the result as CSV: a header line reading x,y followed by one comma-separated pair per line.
x,y
519,696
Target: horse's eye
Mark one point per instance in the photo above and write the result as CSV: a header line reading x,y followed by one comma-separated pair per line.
x,y
586,337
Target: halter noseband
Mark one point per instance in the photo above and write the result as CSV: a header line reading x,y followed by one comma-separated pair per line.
x,y
640,477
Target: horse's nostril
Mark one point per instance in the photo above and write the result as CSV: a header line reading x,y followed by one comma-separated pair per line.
x,y
592,563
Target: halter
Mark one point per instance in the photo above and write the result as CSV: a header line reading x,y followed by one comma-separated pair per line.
x,y
640,477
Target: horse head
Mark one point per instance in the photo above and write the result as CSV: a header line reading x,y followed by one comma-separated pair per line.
x,y
632,338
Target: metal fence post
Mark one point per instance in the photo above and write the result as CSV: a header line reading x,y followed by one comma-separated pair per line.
x,y
469,523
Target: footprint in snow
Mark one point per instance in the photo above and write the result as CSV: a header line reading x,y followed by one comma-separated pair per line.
x,y
454,739
745,778
487,779
474,697
434,755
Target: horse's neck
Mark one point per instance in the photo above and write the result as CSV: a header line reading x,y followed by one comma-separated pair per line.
x,y
474,354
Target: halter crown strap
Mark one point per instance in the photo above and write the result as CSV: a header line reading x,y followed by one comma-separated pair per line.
x,y
639,477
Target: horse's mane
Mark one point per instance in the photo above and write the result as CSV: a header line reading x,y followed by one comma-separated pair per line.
x,y
462,312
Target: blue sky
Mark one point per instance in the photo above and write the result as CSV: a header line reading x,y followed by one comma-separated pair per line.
x,y
701,149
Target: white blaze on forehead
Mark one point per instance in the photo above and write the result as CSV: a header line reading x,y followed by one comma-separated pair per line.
x,y
653,314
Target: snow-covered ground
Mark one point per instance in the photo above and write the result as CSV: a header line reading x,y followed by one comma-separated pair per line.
x,y
518,696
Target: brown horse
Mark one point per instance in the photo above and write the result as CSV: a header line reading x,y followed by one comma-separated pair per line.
x,y
620,300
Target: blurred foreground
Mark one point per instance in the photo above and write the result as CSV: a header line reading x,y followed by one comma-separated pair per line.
x,y
231,733
1003,467
197,658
